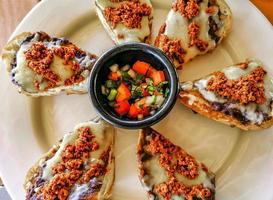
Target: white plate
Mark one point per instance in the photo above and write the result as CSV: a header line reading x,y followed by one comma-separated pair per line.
x,y
243,162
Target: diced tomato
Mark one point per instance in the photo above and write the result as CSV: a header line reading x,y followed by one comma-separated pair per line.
x,y
156,93
141,102
134,111
151,70
113,76
145,93
122,108
158,77
141,67
146,110
123,93
139,108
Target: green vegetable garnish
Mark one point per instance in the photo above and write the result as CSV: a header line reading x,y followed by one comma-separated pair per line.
x,y
167,91
162,84
111,84
151,89
136,93
125,76
139,77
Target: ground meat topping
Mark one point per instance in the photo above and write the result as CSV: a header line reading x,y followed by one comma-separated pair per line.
x,y
68,53
39,58
243,65
188,9
174,160
173,187
71,168
185,164
194,30
246,89
212,10
129,13
173,48
97,169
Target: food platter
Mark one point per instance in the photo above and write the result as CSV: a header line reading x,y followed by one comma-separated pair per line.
x,y
30,126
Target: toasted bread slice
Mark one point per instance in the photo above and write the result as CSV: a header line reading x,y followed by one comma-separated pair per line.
x,y
40,65
81,166
166,171
242,97
126,20
193,28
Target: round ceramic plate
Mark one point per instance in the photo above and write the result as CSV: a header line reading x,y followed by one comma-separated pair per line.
x,y
242,161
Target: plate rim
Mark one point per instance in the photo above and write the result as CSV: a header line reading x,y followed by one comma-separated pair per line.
x,y
52,2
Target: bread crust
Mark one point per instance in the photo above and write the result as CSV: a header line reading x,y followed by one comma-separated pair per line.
x,y
203,107
9,54
105,191
227,20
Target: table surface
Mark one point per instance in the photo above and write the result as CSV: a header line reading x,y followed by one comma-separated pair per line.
x,y
13,11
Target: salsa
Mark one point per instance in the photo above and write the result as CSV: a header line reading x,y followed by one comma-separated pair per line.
x,y
135,91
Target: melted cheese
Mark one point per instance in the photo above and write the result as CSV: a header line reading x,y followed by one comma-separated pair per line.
x,y
23,75
177,28
252,111
175,197
191,100
202,178
104,136
156,173
208,95
130,35
77,191
64,71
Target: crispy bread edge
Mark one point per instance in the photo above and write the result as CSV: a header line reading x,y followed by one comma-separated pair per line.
x,y
203,107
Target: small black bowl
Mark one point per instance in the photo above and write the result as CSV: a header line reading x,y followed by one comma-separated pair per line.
x,y
124,54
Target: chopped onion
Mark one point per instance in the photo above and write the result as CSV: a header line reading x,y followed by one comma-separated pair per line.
x,y
125,68
159,100
132,73
150,100
119,73
140,116
114,68
152,112
103,90
148,80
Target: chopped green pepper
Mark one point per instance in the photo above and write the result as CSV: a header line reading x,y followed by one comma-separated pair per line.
x,y
112,95
154,100
151,89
